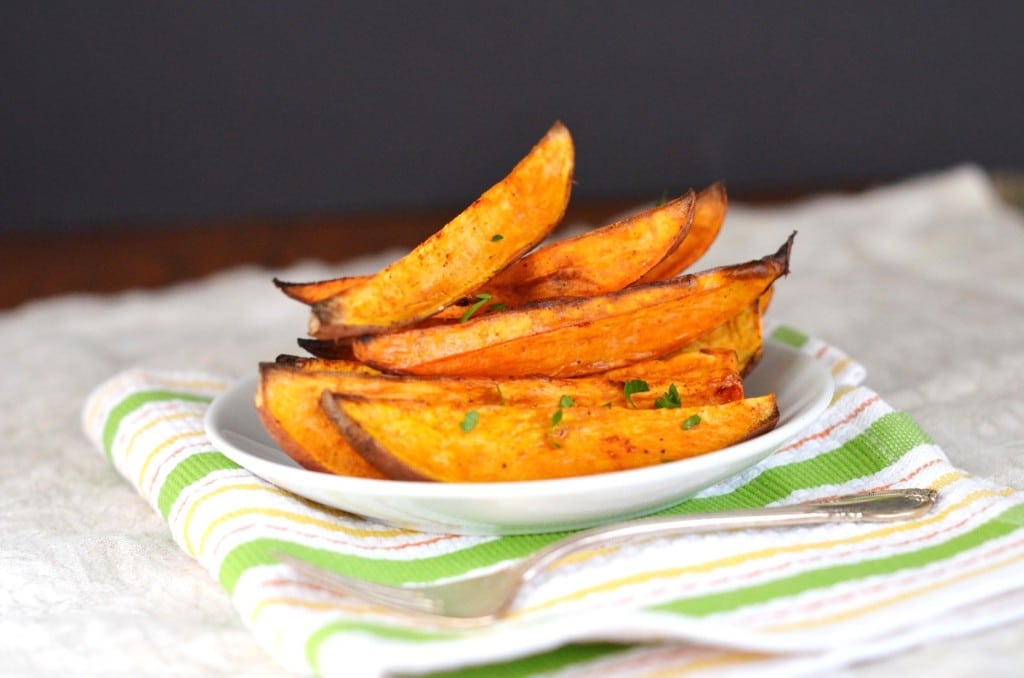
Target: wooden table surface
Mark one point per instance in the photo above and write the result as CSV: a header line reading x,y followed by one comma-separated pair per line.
x,y
39,265
153,255
109,259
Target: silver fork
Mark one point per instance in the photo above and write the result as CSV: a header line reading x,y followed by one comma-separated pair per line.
x,y
483,599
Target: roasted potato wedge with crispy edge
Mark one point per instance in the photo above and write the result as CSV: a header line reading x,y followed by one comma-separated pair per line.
x,y
709,210
708,217
293,417
698,384
442,442
311,292
598,261
559,258
288,399
573,337
509,219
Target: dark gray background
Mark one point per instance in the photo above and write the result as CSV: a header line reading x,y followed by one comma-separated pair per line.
x,y
120,112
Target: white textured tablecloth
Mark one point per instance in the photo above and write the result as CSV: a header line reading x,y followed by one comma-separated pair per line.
x,y
923,282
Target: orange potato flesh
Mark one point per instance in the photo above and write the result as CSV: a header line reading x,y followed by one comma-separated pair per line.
x,y
764,301
415,441
743,334
598,261
708,217
573,337
700,376
509,219
692,365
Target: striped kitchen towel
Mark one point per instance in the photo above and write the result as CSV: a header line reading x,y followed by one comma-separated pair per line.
x,y
784,602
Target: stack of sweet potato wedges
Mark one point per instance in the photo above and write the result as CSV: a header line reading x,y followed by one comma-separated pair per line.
x,y
490,353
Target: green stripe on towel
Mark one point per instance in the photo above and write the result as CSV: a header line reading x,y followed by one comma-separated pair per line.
x,y
134,402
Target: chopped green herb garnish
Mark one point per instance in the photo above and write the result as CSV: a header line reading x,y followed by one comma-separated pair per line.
x,y
469,421
607,404
690,422
556,418
496,307
496,237
670,400
481,300
634,386
662,200
501,396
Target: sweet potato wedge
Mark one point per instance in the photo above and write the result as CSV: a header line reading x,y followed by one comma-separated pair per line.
x,y
566,268
290,411
696,384
288,403
509,219
708,217
573,337
598,261
288,398
442,442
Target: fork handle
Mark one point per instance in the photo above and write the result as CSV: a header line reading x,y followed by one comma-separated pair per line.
x,y
885,506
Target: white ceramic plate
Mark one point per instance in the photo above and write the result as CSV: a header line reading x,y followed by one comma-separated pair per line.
x,y
802,386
